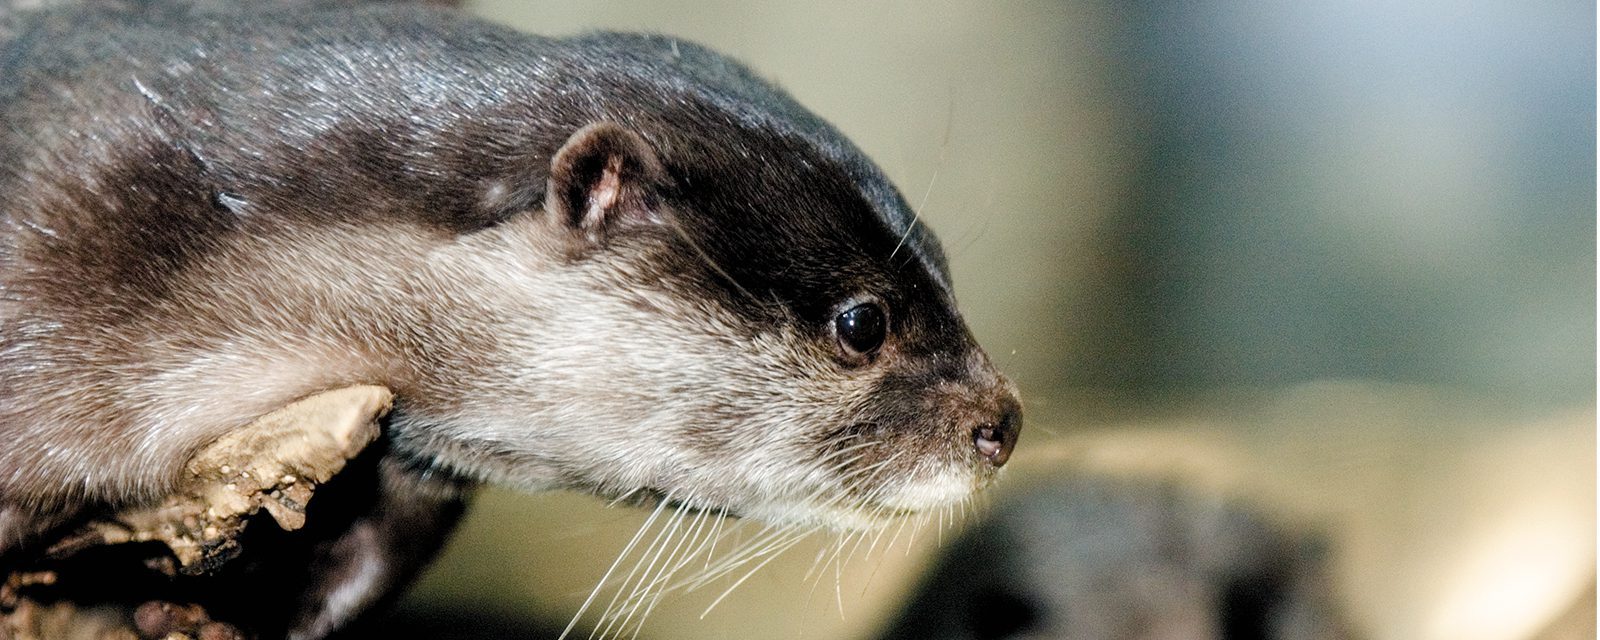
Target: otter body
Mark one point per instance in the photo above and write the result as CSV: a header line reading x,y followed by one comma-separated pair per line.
x,y
620,264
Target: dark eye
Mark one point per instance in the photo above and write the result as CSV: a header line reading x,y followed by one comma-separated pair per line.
x,y
861,328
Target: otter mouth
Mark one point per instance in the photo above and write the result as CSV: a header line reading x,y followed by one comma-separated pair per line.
x,y
851,514
842,515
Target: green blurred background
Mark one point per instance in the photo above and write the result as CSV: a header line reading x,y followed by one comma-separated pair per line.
x,y
1335,258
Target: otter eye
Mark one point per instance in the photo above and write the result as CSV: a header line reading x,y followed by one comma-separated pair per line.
x,y
861,328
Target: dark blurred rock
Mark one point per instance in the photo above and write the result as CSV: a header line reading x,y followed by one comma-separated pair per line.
x,y
1110,559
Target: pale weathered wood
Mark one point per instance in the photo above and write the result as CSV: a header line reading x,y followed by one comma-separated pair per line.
x,y
275,464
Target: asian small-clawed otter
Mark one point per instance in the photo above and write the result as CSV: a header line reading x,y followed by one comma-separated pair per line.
x,y
620,264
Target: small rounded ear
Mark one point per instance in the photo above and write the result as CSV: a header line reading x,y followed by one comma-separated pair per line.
x,y
604,176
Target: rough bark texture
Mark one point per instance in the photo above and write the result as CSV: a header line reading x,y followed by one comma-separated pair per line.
x,y
108,577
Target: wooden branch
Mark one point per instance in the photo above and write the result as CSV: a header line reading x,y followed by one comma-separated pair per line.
x,y
275,465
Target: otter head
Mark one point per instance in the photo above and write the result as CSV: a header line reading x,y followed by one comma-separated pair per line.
x,y
727,319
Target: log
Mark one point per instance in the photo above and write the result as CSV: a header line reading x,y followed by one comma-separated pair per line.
x,y
267,470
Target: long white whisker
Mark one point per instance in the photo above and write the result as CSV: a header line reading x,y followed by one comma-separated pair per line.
x,y
774,553
623,498
944,153
607,575
680,556
608,618
769,538
716,535
648,592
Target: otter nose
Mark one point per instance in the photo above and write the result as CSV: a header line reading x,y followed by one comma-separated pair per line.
x,y
994,440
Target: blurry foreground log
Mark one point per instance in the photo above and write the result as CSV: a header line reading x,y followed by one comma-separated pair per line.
x,y
108,577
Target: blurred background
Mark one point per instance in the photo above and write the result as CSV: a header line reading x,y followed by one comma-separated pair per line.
x,y
1334,261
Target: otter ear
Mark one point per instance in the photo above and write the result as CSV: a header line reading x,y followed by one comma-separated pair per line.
x,y
604,177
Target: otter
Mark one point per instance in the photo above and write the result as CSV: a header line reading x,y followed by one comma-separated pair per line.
x,y
613,263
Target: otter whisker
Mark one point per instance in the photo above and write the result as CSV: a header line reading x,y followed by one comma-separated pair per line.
x,y
822,552
861,538
660,585
769,537
944,153
608,616
642,590
771,555
879,564
624,497
838,576
716,535
837,453
607,575
617,617
716,567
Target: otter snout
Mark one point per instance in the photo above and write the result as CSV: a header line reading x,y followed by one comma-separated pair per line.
x,y
995,438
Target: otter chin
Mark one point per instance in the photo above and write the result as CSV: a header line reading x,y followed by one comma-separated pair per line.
x,y
617,264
